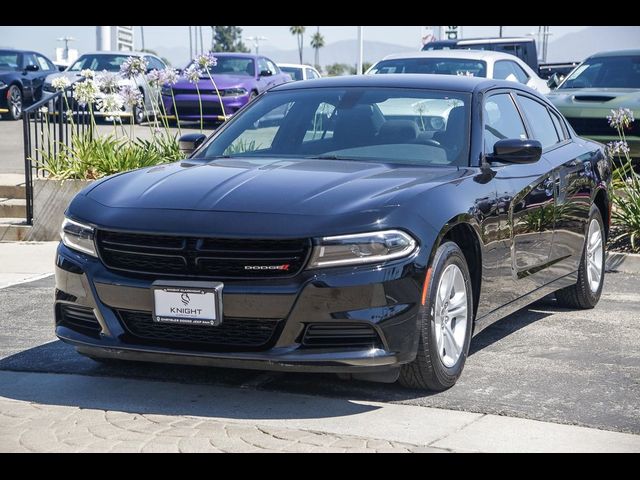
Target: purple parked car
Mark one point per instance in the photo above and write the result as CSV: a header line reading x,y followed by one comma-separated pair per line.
x,y
240,78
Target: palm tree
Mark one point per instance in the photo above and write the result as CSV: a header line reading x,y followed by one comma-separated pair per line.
x,y
299,32
317,42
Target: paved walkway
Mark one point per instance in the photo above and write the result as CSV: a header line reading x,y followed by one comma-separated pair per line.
x,y
25,261
71,413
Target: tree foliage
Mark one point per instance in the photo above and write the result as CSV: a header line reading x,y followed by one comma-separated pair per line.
x,y
228,39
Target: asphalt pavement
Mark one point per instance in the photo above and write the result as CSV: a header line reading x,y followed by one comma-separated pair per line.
x,y
542,363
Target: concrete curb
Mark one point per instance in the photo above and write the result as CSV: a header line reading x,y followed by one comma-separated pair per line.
x,y
623,263
62,398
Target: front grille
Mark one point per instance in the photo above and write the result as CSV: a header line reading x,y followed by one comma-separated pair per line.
x,y
233,333
191,109
80,319
186,91
600,127
321,335
202,257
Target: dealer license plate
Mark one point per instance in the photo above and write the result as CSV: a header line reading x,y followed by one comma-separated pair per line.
x,y
189,304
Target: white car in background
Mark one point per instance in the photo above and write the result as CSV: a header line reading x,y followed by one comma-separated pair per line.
x,y
472,63
299,72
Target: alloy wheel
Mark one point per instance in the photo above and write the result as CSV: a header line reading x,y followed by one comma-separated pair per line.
x,y
15,102
451,315
595,255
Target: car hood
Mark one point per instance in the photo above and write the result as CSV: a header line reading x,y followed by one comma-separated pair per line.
x,y
222,81
577,99
277,186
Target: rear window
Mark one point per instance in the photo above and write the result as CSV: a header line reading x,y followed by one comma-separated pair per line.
x,y
436,66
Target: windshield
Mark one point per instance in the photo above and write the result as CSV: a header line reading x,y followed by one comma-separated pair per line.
x,y
606,72
99,63
8,60
438,66
293,72
233,66
399,126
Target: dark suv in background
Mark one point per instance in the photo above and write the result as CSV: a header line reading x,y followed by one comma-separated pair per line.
x,y
22,74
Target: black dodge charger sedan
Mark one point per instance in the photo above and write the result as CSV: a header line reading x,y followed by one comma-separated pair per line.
x,y
369,231
22,75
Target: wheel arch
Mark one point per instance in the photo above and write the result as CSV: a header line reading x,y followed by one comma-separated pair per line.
x,y
603,202
464,231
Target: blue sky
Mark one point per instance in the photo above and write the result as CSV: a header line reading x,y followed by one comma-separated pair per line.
x,y
43,38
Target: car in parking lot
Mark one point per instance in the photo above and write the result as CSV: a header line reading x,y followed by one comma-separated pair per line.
x,y
239,77
110,63
604,82
22,74
356,235
473,63
299,72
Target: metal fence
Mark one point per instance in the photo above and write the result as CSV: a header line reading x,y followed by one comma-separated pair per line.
x,y
49,127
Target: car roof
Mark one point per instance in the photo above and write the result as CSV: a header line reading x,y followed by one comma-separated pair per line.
x,y
123,53
462,54
294,65
617,53
237,54
430,82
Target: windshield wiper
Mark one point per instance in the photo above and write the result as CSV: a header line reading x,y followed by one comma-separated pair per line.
x,y
326,157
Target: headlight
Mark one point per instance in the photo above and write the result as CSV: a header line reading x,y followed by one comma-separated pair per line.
x,y
375,247
234,92
78,236
166,90
2,84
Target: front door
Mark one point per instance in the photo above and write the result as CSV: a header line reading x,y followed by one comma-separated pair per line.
x,y
525,206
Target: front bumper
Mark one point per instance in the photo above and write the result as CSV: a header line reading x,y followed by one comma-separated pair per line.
x,y
385,298
188,106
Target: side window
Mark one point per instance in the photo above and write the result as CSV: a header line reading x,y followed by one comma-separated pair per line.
x,y
262,65
43,63
311,74
155,64
508,70
29,59
542,125
558,124
272,67
520,74
501,121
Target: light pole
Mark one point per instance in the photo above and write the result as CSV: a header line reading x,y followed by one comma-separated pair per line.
x,y
66,41
360,51
256,42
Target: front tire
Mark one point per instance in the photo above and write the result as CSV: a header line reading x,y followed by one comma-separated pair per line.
x,y
585,294
446,322
14,102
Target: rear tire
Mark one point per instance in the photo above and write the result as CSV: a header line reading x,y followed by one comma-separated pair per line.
x,y
446,316
585,294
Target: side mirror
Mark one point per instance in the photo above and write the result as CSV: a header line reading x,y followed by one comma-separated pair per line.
x,y
32,68
188,143
553,82
266,73
516,151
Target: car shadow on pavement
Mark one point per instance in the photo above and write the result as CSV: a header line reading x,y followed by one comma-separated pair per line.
x,y
169,390
59,358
